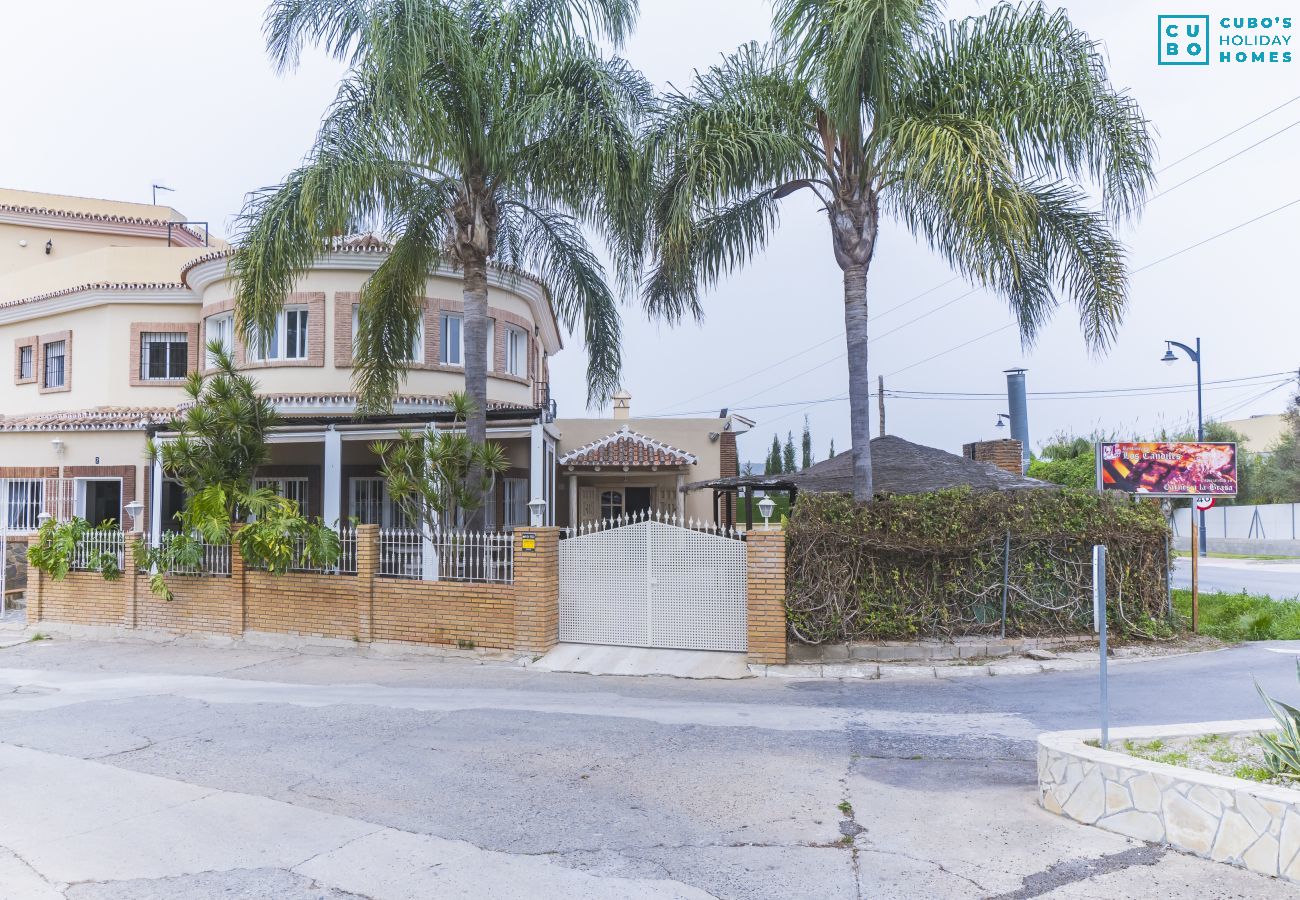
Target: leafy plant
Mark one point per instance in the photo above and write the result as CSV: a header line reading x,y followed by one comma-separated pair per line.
x,y
1282,749
55,548
435,476
220,441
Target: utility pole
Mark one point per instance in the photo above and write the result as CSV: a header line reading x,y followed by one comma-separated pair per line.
x,y
880,400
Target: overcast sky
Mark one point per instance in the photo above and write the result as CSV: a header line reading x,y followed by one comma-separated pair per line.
x,y
105,99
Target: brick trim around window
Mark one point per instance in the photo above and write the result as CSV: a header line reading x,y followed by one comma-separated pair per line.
x,y
433,310
126,473
192,351
19,344
315,303
44,341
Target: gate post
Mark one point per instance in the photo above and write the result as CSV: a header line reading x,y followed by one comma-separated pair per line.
x,y
367,566
765,595
537,589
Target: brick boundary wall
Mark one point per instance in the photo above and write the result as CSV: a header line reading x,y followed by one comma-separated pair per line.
x,y
522,616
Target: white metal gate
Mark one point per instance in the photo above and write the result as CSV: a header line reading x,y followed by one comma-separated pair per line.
x,y
652,583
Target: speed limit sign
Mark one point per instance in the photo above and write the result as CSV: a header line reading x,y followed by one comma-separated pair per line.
x,y
1204,502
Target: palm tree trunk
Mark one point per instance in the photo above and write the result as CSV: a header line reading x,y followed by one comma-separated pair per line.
x,y
855,329
475,295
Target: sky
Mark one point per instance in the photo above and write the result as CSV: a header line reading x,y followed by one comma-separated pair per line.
x,y
106,99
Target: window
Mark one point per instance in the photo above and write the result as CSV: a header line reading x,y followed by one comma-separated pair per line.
x,y
452,341
26,363
516,505
288,340
222,330
417,342
371,505
23,503
163,355
516,352
294,489
55,368
611,504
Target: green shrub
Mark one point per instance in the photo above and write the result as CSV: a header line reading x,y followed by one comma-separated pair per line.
x,y
1282,749
1241,616
930,565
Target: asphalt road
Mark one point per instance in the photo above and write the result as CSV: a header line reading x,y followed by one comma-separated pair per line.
x,y
1279,579
141,772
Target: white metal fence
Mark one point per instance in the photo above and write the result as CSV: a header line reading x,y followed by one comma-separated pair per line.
x,y
214,558
347,561
1266,522
94,544
447,555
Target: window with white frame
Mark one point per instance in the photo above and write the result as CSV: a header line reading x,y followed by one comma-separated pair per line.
x,y
222,330
23,503
163,355
55,374
516,502
417,342
516,352
294,489
611,504
370,504
287,340
452,342
26,362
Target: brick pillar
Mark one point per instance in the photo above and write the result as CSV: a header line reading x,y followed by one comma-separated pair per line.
x,y
367,568
537,591
238,607
33,594
130,582
765,550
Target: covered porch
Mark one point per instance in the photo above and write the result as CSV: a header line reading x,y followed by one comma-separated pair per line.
x,y
624,473
331,472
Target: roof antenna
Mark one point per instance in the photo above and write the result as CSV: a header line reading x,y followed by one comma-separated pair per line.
x,y
157,188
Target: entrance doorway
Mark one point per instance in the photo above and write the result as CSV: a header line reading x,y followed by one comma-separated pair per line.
x,y
103,501
639,499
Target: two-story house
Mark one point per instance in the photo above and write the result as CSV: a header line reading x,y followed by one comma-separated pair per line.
x,y
106,307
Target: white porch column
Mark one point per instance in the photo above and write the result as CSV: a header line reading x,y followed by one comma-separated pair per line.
x,y
573,501
332,476
681,496
428,551
536,464
155,501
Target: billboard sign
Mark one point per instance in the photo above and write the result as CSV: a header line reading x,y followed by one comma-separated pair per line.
x,y
1168,468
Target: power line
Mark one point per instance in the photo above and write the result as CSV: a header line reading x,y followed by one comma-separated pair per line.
x,y
1093,391
1170,190
1224,137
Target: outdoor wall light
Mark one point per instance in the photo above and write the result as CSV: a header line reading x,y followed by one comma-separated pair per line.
x,y
134,509
49,247
765,508
536,509
42,519
59,446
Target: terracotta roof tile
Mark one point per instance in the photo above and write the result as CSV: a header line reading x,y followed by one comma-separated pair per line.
x,y
100,418
627,448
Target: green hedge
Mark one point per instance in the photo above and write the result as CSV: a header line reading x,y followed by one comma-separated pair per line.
x,y
931,565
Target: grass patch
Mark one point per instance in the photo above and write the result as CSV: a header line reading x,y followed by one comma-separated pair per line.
x,y
846,808
1184,554
1242,617
1252,773
1224,756
1172,758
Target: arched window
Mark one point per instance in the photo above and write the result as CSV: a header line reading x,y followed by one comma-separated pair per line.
x,y
611,504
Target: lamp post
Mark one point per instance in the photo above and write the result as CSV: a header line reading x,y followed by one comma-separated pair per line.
x,y
765,507
1195,356
134,509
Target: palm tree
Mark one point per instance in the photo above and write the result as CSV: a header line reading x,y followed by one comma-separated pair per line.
x,y
470,133
977,135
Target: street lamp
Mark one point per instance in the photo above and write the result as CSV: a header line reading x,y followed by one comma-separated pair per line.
x,y
1003,418
1195,356
765,507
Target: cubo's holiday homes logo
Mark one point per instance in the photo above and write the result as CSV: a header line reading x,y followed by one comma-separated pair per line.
x,y
1186,40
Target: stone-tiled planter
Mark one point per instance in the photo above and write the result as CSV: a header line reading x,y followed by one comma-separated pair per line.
x,y
1231,820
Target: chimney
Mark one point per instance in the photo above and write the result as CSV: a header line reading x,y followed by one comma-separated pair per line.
x,y
1018,406
1004,453
622,405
